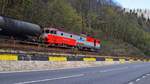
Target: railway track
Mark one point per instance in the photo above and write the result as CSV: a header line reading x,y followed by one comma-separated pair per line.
x,y
37,48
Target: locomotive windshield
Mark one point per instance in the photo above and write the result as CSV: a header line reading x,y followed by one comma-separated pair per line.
x,y
47,31
50,31
53,32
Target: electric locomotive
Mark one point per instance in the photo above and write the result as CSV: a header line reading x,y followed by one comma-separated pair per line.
x,y
54,36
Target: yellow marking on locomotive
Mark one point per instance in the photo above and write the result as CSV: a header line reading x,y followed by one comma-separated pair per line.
x,y
89,59
8,57
57,58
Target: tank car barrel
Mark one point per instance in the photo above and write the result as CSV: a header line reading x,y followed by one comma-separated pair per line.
x,y
17,27
2,22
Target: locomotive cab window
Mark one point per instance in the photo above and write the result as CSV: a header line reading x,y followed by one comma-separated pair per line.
x,y
53,32
71,36
46,31
62,34
43,31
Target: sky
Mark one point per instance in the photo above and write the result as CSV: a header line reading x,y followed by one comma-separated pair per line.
x,y
142,4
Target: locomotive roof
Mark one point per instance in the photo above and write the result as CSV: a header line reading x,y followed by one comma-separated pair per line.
x,y
83,35
51,28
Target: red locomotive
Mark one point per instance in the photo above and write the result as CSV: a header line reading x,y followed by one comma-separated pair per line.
x,y
54,36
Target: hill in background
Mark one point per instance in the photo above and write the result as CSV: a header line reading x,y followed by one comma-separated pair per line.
x,y
121,33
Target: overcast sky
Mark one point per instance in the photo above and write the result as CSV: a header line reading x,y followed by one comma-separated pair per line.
x,y
143,4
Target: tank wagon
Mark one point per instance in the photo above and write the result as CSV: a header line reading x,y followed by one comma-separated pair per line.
x,y
50,36
16,28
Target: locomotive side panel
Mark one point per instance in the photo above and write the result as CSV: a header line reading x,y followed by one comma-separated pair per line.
x,y
67,39
60,38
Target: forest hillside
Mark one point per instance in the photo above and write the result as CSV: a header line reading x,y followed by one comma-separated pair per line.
x,y
121,33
